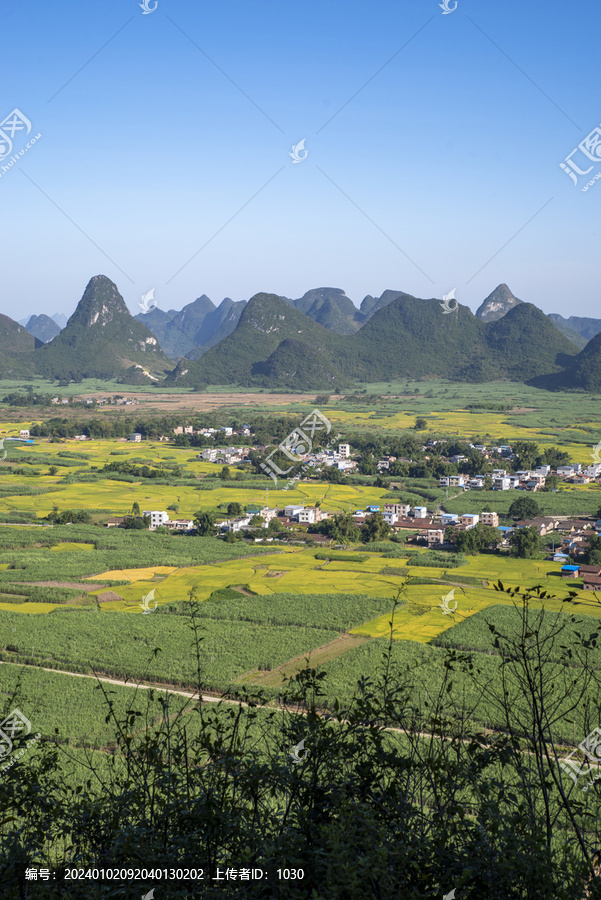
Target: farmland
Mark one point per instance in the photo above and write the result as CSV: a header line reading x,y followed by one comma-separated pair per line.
x,y
70,595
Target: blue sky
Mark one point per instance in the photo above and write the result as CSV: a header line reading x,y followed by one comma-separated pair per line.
x,y
439,171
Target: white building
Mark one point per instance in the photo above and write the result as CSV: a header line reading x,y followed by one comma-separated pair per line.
x,y
449,519
292,511
157,517
420,512
501,483
545,470
179,524
209,453
566,471
309,516
344,451
239,524
24,433
268,514
135,437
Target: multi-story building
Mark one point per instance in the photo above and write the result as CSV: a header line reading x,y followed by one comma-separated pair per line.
x,y
490,518
399,509
420,512
157,517
452,480
309,515
344,451
469,520
435,537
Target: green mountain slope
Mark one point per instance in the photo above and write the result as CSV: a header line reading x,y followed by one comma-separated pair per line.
x,y
278,346
295,364
101,339
583,372
265,322
16,349
526,344
217,325
329,307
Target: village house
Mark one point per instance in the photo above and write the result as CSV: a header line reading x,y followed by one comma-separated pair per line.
x,y
469,520
413,524
310,515
452,480
449,519
179,524
435,537
543,524
241,523
292,511
591,577
157,517
490,518
398,509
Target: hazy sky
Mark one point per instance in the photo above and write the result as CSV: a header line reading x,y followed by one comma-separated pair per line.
x,y
433,148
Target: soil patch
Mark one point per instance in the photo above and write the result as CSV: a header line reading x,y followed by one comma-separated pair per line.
x,y
107,596
62,584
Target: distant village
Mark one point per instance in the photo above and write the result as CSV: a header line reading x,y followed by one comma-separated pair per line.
x,y
428,527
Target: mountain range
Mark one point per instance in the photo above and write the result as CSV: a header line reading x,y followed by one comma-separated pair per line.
x,y
316,342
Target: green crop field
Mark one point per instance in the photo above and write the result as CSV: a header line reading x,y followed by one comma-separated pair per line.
x,y
262,609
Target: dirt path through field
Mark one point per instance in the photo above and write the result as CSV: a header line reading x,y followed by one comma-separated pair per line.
x,y
316,657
